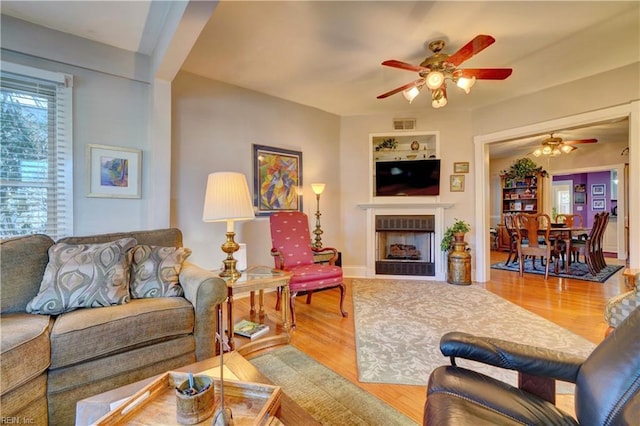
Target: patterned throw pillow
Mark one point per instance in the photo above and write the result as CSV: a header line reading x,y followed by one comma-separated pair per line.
x,y
155,271
84,276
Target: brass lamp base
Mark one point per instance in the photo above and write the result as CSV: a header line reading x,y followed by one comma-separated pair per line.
x,y
230,247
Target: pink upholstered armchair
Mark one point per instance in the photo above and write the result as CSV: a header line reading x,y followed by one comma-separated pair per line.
x,y
292,251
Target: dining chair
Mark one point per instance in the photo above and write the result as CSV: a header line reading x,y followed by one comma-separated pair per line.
x,y
599,245
528,226
588,245
292,251
510,226
571,221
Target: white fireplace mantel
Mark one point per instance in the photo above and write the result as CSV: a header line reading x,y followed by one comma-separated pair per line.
x,y
404,208
379,205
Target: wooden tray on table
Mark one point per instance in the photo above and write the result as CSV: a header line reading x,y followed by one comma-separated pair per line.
x,y
155,404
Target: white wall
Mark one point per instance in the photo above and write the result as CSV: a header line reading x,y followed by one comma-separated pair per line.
x,y
214,127
109,109
455,145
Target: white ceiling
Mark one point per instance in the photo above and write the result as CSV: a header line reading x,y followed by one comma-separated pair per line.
x,y
327,54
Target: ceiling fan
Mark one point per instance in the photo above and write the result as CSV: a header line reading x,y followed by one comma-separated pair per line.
x,y
436,69
554,146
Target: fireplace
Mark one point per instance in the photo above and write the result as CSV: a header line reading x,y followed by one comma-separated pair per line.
x,y
405,245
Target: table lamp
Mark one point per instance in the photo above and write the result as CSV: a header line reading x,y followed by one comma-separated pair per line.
x,y
317,189
227,199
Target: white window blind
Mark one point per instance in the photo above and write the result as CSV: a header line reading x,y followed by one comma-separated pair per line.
x,y
36,194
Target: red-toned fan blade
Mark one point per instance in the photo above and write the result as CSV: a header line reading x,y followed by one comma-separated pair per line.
x,y
401,88
478,44
486,73
404,66
582,141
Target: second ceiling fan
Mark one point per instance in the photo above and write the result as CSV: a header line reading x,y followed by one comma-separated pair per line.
x,y
436,69
554,146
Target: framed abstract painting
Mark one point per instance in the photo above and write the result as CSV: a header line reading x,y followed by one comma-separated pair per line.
x,y
277,179
113,172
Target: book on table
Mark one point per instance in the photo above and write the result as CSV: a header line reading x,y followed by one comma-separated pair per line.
x,y
250,329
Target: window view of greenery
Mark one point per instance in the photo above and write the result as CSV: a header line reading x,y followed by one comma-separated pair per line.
x,y
26,176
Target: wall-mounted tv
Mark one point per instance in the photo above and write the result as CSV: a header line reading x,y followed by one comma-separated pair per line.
x,y
408,178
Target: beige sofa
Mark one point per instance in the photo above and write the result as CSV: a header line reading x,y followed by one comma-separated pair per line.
x,y
49,362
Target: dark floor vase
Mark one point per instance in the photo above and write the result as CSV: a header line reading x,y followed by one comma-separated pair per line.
x,y
459,262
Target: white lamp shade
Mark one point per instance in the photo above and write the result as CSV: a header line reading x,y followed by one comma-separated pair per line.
x,y
227,198
317,188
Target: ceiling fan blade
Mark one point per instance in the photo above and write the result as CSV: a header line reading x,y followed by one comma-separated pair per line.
x,y
404,66
478,44
582,141
401,88
486,73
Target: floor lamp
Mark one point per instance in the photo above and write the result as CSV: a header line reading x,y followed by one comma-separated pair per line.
x,y
227,199
317,189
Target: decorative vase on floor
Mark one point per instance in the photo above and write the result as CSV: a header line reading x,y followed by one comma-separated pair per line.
x,y
459,262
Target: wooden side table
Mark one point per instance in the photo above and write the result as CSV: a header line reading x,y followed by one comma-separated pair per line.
x,y
259,278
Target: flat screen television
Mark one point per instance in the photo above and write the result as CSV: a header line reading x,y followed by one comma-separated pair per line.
x,y
408,178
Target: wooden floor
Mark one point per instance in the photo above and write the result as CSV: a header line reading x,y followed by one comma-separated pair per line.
x,y
327,337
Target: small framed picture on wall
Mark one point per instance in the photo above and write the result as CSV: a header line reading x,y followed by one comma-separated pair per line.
x,y
579,197
598,189
598,204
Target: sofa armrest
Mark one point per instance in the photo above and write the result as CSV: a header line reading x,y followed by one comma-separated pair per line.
x,y
526,359
205,290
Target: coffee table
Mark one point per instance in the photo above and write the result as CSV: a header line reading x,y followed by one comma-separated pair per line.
x,y
90,409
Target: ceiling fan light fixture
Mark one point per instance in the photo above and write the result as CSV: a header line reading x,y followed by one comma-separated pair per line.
x,y
547,150
537,152
410,94
434,80
466,83
438,98
555,152
567,148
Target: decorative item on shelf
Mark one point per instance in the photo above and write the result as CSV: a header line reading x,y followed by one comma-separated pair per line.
x,y
458,257
415,145
387,145
318,188
227,199
521,169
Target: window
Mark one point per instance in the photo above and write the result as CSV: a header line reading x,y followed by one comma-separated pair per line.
x,y
35,152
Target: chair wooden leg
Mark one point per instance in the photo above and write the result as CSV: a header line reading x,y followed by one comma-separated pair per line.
x,y
309,293
343,290
292,301
546,269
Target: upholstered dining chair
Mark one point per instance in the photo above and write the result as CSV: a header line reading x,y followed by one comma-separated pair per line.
x,y
292,251
607,388
528,226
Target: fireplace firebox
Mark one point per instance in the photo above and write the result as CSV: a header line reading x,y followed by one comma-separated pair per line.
x,y
405,245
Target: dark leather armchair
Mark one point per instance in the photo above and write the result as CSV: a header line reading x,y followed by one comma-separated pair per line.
x,y
606,392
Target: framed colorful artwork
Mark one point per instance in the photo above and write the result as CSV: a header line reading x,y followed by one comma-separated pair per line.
x,y
113,172
277,179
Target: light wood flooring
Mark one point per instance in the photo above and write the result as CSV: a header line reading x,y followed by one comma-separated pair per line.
x,y
327,337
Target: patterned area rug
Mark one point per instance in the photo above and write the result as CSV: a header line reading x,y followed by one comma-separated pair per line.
x,y
578,271
328,397
399,324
